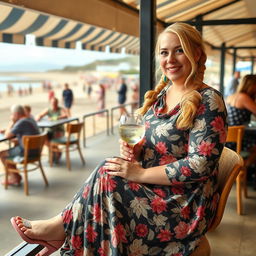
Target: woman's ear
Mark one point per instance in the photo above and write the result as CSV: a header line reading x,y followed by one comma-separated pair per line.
x,y
198,54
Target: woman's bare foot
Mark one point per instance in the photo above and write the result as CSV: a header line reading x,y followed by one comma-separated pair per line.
x,y
47,230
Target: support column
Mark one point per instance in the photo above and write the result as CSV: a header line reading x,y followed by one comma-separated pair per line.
x,y
199,26
147,46
222,67
234,60
252,64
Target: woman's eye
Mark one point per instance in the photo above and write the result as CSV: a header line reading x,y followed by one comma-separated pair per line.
x,y
163,53
179,50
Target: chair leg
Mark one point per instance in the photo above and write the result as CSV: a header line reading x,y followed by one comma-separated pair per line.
x,y
25,181
245,183
50,154
6,177
43,174
68,158
238,193
80,153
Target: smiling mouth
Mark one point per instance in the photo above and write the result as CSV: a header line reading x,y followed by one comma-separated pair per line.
x,y
173,69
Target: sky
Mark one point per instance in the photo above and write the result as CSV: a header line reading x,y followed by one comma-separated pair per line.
x,y
15,57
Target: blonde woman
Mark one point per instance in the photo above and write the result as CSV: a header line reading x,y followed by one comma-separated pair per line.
x,y
163,202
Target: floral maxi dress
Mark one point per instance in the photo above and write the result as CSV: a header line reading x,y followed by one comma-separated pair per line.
x,y
113,216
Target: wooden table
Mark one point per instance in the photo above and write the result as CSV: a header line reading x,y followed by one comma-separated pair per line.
x,y
44,123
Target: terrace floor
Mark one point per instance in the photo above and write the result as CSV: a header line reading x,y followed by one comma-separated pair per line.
x,y
235,236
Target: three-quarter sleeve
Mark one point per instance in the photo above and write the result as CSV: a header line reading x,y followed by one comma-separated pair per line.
x,y
205,142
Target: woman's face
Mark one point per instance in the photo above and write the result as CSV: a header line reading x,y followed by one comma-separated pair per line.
x,y
174,63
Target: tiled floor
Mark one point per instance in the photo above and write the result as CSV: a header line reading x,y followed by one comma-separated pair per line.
x,y
236,235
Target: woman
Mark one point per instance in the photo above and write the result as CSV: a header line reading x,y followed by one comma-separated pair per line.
x,y
163,205
241,105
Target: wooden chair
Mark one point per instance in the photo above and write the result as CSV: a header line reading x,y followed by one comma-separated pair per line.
x,y
230,165
68,143
27,163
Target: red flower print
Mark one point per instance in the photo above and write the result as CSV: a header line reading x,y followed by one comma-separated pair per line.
x,y
79,252
67,216
166,159
185,171
141,230
104,249
134,186
201,109
181,230
185,211
177,190
147,125
90,233
159,192
217,124
96,212
108,183
223,136
86,191
164,235
200,212
76,242
119,235
102,170
158,205
177,254
161,148
205,148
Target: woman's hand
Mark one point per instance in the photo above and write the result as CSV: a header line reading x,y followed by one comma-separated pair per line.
x,y
126,151
126,169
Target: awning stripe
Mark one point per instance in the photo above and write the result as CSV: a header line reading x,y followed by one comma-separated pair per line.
x,y
12,18
53,31
40,21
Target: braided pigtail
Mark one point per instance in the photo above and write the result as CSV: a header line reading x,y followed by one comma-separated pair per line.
x,y
151,96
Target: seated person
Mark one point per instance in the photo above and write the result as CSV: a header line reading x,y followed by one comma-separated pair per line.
x,y
55,112
27,109
19,126
241,105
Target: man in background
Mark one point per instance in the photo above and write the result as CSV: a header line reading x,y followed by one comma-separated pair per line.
x,y
19,126
68,98
234,82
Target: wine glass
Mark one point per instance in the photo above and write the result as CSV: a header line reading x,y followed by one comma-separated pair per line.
x,y
131,128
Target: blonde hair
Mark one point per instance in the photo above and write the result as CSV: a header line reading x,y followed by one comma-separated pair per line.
x,y
191,43
247,85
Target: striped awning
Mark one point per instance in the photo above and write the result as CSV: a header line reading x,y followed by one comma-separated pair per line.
x,y
53,31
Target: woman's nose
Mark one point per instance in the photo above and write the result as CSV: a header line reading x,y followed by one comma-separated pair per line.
x,y
170,58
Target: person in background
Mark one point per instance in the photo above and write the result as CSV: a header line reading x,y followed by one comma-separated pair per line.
x,y
102,97
233,83
68,98
122,91
241,106
135,97
19,126
161,195
55,112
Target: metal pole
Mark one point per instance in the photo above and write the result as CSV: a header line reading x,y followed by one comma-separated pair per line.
x,y
222,67
252,64
147,45
234,60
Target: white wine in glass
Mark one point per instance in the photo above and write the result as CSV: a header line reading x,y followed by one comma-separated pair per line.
x,y
132,128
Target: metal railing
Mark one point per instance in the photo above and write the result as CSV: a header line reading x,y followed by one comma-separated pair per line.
x,y
118,107
93,114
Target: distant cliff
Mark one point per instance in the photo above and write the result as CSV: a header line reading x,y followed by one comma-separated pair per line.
x,y
132,62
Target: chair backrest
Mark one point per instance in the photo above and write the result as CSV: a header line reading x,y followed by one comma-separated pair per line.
x,y
235,134
34,144
230,164
73,128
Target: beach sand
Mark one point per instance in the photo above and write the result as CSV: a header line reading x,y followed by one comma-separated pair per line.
x,y
82,103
